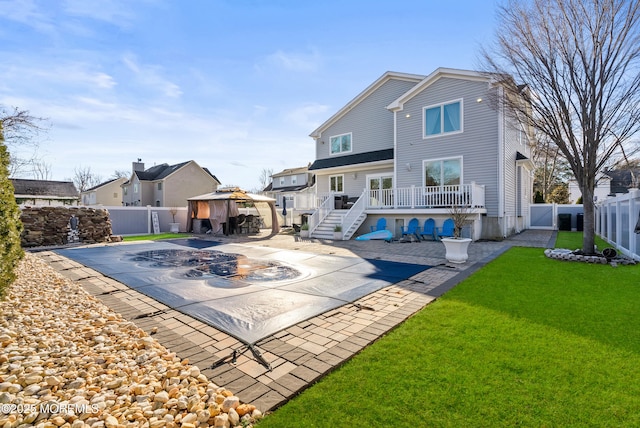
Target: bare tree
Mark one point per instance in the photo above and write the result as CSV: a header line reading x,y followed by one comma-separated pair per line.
x,y
84,178
265,177
21,133
120,173
41,170
579,60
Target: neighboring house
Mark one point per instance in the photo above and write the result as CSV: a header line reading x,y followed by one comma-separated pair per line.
x,y
167,185
413,146
609,183
108,193
296,185
45,192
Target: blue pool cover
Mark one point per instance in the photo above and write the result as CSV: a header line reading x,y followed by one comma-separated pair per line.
x,y
248,292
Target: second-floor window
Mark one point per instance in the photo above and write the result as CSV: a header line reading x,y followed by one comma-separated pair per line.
x,y
294,179
443,119
159,186
340,143
282,181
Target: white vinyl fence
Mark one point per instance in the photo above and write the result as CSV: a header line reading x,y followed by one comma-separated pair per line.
x,y
139,220
545,216
618,220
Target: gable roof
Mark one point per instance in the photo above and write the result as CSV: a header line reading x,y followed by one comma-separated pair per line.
x,y
55,189
162,171
622,179
439,73
291,171
389,75
104,184
378,155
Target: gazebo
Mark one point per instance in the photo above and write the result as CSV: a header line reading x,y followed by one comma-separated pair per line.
x,y
222,205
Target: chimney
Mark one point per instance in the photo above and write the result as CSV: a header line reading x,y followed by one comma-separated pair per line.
x,y
138,166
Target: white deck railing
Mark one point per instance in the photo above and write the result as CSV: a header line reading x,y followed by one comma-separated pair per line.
x,y
320,214
466,195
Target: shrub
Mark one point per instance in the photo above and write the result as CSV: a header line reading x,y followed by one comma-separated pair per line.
x,y
10,224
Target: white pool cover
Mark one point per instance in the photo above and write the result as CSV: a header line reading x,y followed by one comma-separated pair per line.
x,y
248,292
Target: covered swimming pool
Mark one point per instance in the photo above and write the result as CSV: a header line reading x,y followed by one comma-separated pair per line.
x,y
249,292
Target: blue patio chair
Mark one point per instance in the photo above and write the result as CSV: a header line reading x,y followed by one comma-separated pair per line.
x,y
381,224
446,231
413,229
429,229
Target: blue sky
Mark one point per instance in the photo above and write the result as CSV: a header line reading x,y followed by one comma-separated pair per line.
x,y
237,86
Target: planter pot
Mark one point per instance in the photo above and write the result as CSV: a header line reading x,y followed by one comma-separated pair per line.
x,y
456,249
174,227
337,236
304,233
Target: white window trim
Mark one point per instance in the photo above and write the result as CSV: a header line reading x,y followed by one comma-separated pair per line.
x,y
424,161
336,191
281,181
341,152
294,179
442,133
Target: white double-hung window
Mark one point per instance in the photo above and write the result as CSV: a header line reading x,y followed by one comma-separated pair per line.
x,y
340,143
442,119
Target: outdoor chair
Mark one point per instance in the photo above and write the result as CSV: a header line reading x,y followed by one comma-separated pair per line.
x,y
447,229
429,229
381,224
413,229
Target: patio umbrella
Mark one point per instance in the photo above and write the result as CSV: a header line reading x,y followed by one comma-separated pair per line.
x,y
284,210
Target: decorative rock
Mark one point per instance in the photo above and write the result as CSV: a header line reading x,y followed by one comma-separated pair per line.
x,y
73,351
110,422
221,420
230,403
162,397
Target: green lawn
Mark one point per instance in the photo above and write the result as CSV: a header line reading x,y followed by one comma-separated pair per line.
x,y
525,341
154,237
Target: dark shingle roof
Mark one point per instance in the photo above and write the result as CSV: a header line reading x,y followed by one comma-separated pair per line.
x,y
622,179
359,158
158,172
62,189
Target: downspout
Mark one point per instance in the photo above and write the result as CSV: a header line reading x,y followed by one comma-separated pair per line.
x,y
501,177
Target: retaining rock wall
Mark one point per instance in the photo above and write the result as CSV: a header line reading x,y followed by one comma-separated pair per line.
x,y
47,226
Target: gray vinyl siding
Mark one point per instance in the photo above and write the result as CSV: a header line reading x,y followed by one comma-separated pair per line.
x,y
301,179
353,186
510,170
369,122
477,145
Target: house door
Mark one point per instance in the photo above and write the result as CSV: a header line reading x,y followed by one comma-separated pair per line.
x,y
380,190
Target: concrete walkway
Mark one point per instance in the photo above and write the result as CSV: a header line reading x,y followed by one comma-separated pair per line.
x,y
301,354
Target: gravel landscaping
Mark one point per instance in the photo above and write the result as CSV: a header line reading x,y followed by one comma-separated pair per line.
x,y
67,360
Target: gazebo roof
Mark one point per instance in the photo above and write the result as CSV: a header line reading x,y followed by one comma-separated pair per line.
x,y
236,194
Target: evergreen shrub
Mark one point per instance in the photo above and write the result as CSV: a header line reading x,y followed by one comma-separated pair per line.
x,y
10,224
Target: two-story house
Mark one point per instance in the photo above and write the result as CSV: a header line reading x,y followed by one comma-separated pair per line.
x,y
413,146
108,193
167,185
296,187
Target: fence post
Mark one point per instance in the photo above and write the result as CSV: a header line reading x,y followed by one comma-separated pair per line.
x,y
634,217
148,219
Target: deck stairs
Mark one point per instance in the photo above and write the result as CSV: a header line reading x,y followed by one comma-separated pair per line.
x,y
325,228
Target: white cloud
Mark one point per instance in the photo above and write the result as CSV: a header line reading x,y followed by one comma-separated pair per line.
x,y
114,12
308,116
150,76
28,13
298,62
